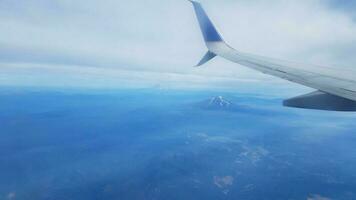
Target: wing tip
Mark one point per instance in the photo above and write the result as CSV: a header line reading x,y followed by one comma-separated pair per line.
x,y
208,29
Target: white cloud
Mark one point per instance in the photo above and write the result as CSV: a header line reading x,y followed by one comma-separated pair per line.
x,y
317,197
11,195
163,36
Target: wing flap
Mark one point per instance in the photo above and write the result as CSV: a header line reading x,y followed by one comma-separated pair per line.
x,y
321,101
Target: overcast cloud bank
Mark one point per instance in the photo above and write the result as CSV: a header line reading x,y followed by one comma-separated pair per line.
x,y
128,43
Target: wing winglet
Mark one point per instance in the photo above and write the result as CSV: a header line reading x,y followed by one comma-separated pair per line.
x,y
207,27
208,30
208,56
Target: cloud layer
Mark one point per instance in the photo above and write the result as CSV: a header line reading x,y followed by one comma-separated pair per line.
x,y
145,41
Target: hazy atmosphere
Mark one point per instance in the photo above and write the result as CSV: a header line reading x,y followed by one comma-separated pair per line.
x,y
143,44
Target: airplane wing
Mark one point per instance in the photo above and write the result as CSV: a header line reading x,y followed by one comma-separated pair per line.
x,y
335,89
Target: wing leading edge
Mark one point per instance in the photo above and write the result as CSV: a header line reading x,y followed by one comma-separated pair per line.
x,y
328,81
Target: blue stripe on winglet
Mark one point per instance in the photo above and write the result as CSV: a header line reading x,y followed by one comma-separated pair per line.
x,y
209,32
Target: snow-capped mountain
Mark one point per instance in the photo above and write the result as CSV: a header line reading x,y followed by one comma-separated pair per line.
x,y
219,101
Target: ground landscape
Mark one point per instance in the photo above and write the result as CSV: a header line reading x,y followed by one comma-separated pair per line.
x,y
158,144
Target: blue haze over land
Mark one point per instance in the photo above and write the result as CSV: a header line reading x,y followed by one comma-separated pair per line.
x,y
113,140
166,144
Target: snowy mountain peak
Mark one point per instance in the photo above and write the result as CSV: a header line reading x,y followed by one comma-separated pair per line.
x,y
219,101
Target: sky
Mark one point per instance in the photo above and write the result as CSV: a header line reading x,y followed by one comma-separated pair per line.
x,y
155,43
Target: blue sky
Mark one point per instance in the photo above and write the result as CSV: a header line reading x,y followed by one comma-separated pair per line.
x,y
155,43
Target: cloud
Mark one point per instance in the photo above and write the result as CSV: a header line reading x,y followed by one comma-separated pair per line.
x,y
163,36
93,77
317,197
224,183
11,195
